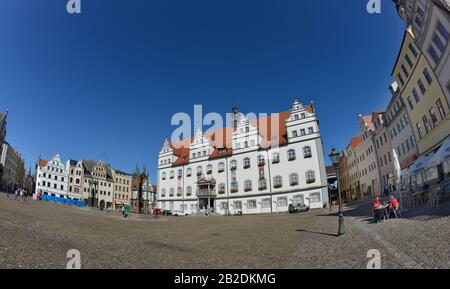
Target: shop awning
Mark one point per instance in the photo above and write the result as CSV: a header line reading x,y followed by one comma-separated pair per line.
x,y
419,165
442,155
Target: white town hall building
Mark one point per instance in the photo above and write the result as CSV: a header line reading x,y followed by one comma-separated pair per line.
x,y
254,166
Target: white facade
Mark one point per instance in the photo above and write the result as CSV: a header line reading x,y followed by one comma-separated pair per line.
x,y
51,178
244,174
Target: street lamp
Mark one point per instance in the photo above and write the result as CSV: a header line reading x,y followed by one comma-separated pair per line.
x,y
334,156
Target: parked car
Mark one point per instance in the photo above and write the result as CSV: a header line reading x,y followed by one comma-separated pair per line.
x,y
167,212
297,208
179,213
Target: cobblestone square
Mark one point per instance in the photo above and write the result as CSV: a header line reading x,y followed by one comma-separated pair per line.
x,y
38,235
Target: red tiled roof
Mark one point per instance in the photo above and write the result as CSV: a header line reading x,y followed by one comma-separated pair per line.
x,y
354,142
330,170
221,138
368,120
42,163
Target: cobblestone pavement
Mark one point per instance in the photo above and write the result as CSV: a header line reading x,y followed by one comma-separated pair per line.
x,y
38,235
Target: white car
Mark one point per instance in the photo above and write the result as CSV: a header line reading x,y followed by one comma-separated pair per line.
x,y
177,213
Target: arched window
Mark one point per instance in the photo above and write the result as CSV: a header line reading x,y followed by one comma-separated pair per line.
x,y
188,172
310,176
307,152
179,191
209,169
163,193
233,164
163,176
261,160
277,182
180,173
171,192
172,174
188,190
293,179
291,154
221,188
221,167
247,185
275,157
199,170
246,163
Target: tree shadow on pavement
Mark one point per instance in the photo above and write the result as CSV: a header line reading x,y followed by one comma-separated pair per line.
x,y
316,232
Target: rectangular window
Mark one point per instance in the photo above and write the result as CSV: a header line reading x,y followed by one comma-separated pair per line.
x,y
412,141
426,124
412,49
399,76
310,130
294,133
251,204
265,203
434,54
427,76
416,95
404,70
441,29
418,22
419,130
314,197
421,86
411,106
282,201
408,60
440,109
438,43
433,117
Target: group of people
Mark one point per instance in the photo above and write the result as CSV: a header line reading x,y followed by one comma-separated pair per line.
x,y
20,194
382,211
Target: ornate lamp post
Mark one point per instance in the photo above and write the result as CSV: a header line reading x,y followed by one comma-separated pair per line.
x,y
334,156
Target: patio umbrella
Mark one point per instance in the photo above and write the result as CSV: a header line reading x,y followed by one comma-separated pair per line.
x,y
419,165
441,156
398,173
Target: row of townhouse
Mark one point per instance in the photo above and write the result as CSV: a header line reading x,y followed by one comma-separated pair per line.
x,y
416,122
94,182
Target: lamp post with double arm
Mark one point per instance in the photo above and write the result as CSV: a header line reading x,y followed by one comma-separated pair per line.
x,y
334,156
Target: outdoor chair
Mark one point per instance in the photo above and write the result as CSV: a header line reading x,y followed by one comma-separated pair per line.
x,y
395,211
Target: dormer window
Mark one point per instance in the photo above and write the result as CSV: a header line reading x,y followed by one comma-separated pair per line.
x,y
303,115
296,117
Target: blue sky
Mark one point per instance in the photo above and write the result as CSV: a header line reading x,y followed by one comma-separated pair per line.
x,y
105,84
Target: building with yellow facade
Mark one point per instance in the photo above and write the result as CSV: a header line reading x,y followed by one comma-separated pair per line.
x,y
423,96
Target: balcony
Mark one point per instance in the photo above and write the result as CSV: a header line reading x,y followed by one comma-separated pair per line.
x,y
206,192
